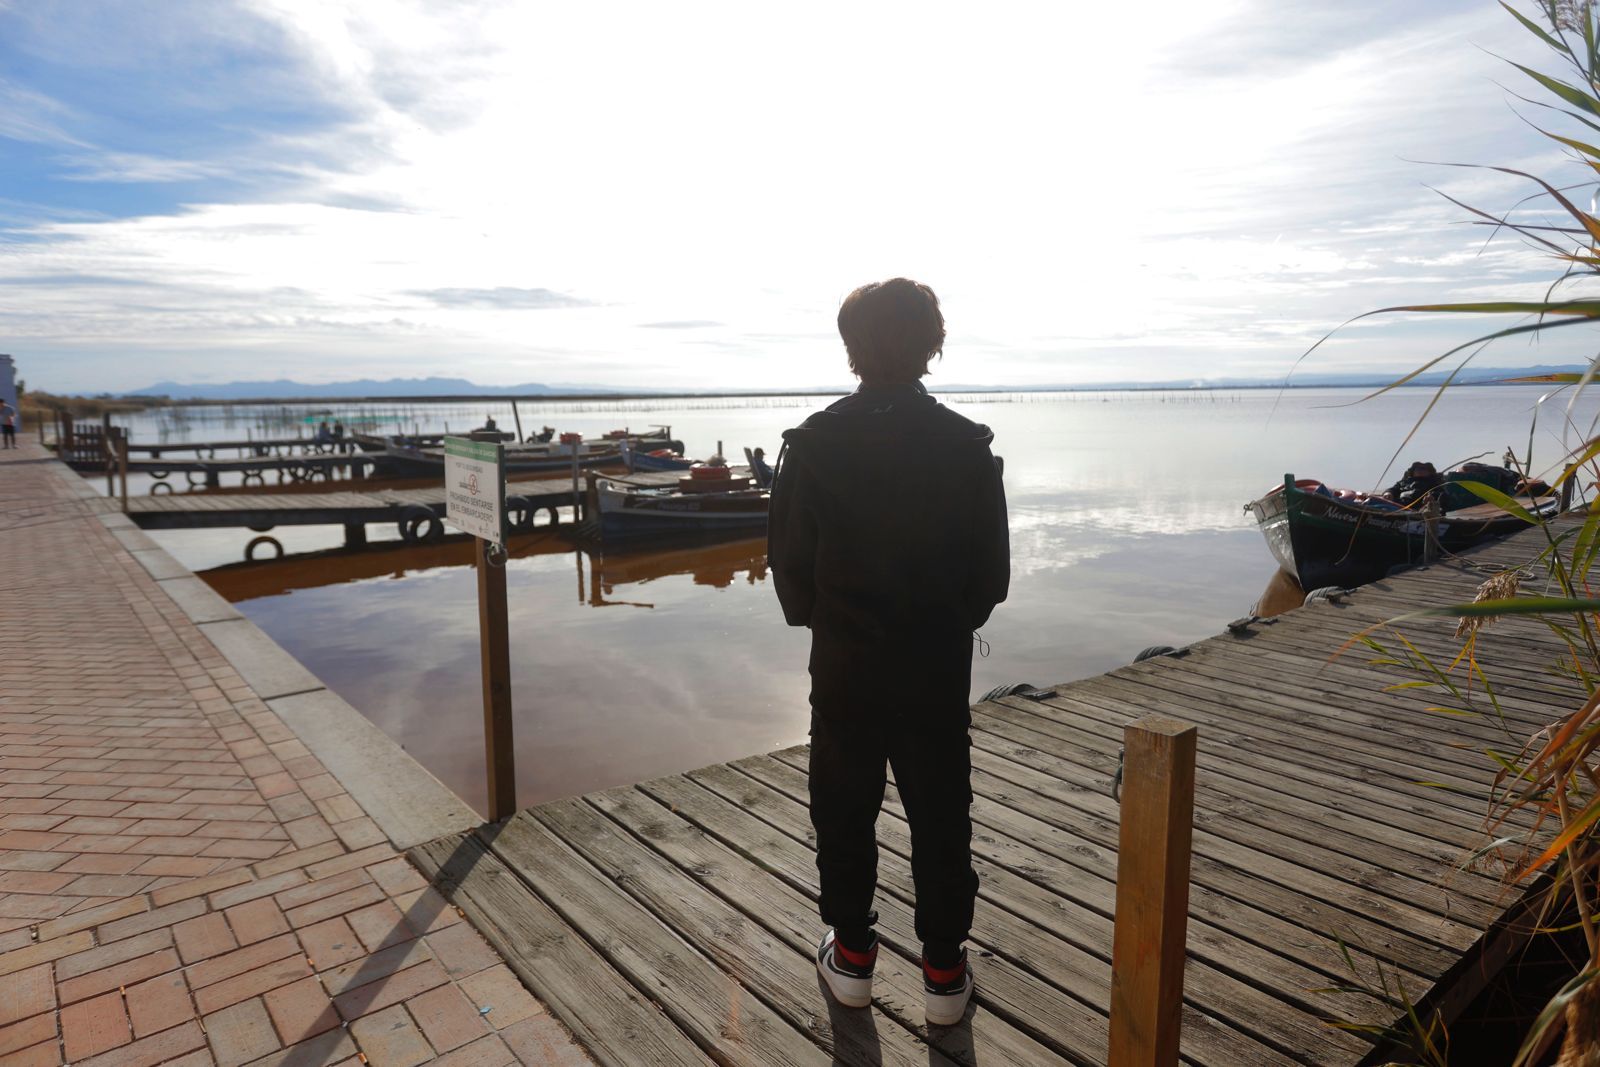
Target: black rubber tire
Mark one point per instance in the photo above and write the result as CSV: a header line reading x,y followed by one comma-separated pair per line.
x,y
419,525
159,475
554,513
188,476
161,489
257,542
1153,651
519,513
261,529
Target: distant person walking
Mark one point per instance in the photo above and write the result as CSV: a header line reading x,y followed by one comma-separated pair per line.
x,y
888,538
8,424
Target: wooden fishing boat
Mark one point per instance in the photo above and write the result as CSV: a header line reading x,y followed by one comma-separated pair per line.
x,y
1326,537
660,459
403,459
705,500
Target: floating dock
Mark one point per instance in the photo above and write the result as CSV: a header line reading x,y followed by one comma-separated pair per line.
x,y
673,922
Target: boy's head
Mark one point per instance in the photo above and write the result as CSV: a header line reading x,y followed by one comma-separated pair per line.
x,y
891,330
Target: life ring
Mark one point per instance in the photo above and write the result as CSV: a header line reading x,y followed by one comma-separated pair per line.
x,y
257,542
419,525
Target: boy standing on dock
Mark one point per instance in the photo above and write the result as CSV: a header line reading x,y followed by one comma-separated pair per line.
x,y
8,424
888,538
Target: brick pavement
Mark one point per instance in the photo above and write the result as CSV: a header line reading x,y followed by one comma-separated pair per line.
x,y
181,881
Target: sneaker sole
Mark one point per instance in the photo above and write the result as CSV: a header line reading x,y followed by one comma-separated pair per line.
x,y
847,1000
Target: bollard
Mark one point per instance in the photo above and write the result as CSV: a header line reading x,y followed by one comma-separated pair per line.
x,y
1153,842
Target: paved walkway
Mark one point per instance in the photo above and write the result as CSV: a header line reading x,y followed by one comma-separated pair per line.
x,y
181,880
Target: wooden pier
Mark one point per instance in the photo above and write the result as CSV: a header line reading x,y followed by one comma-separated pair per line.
x,y
673,922
353,508
294,468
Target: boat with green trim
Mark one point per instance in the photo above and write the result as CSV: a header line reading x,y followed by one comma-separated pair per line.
x,y
1327,537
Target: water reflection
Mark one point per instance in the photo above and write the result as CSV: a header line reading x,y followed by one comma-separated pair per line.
x,y
702,670
1126,532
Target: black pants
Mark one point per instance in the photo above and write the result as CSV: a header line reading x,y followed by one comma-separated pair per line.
x,y
869,713
10,435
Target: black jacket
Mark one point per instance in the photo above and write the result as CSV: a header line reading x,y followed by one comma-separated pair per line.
x,y
888,520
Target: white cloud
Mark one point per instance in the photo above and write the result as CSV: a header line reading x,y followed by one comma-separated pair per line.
x,y
1216,195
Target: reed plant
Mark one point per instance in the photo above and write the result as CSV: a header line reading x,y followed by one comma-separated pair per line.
x,y
1542,820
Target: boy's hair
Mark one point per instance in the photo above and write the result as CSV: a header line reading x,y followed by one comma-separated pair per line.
x,y
891,330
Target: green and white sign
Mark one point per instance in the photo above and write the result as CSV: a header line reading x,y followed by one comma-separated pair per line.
x,y
475,487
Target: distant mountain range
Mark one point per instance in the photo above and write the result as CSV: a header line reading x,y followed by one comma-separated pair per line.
x,y
369,388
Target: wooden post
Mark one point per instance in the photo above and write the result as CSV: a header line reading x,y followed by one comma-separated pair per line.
x,y
122,465
1147,954
577,495
494,639
1566,492
109,451
518,419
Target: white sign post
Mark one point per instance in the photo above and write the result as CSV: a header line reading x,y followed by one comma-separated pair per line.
x,y
475,502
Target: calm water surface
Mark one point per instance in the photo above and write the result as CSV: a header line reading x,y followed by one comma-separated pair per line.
x,y
1127,530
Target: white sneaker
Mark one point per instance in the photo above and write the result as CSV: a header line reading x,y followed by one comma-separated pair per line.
x,y
850,984
947,1000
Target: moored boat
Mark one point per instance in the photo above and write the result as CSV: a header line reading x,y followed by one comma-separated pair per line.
x,y
707,499
404,459
1326,537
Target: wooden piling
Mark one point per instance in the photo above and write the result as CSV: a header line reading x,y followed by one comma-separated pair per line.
x,y
1148,946
495,645
122,465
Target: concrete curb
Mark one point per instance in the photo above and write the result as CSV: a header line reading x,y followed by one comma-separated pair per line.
x,y
407,802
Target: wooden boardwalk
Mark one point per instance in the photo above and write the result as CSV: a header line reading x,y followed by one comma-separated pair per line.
x,y
176,511
262,511
673,922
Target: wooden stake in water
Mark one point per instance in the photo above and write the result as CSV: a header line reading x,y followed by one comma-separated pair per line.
x,y
494,640
517,419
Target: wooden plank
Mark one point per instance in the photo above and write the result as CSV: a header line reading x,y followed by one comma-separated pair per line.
x,y
1260,802
1026,791
1147,960
1074,832
1381,779
764,878
1020,882
1003,938
1257,757
694,993
615,1024
782,973
1078,899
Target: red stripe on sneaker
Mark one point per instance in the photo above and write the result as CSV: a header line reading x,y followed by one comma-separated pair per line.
x,y
944,975
856,959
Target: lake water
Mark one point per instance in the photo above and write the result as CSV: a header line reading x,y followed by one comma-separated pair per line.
x,y
1127,530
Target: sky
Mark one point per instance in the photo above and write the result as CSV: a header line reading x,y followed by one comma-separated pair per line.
x,y
680,195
